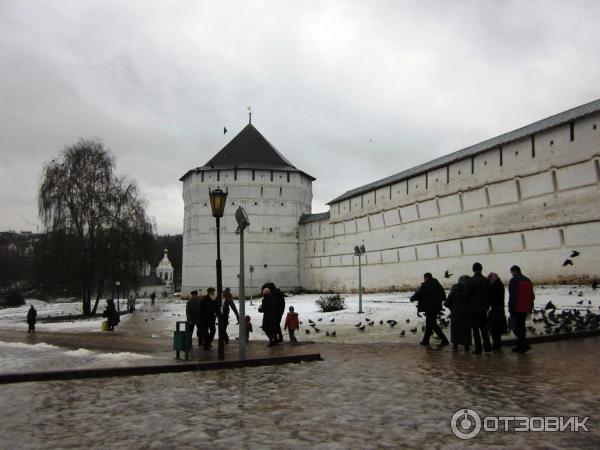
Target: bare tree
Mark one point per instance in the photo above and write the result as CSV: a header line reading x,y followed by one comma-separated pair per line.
x,y
81,195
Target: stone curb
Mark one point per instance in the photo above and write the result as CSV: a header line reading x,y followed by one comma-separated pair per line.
x,y
153,370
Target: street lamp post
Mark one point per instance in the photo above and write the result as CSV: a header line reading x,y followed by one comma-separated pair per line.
x,y
359,251
217,204
251,273
243,223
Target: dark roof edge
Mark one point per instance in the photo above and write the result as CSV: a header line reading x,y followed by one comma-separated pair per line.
x,y
246,167
556,120
307,218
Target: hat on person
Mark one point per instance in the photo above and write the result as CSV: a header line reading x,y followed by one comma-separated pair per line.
x,y
194,293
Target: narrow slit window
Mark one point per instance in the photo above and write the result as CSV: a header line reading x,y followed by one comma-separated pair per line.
x,y
253,175
447,174
218,175
202,176
472,164
235,174
572,131
288,177
533,146
271,175
501,154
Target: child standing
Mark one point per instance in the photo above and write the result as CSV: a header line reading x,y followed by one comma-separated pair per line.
x,y
248,328
292,324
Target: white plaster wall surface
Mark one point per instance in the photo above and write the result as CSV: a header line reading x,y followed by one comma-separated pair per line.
x,y
528,203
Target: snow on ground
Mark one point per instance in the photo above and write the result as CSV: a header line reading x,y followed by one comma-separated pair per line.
x,y
377,307
21,357
160,320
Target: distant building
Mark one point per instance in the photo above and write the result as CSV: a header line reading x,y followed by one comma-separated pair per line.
x,y
164,271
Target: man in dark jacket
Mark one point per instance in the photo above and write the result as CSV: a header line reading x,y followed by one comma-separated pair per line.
x,y
280,304
270,313
228,305
520,303
31,319
208,316
193,312
478,301
430,297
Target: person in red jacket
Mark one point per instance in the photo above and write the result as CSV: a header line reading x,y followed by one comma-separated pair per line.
x,y
520,304
292,324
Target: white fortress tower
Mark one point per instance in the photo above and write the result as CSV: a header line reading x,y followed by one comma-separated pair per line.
x,y
274,193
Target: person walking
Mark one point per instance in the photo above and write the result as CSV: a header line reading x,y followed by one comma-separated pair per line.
x,y
292,324
111,314
193,312
31,319
460,329
496,316
152,298
429,298
228,305
270,313
208,315
478,292
520,304
280,304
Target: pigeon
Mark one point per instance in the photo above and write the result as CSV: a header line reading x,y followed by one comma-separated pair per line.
x,y
594,285
589,302
447,274
403,333
570,292
549,305
307,331
319,319
333,333
574,254
332,320
407,320
413,330
393,324
371,323
381,322
367,319
224,130
314,325
327,333
362,328
580,294
580,302
358,324
310,321
317,330
567,262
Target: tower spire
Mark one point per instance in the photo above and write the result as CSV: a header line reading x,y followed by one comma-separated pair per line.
x,y
249,115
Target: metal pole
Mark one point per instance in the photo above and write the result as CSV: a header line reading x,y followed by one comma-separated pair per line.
x,y
242,320
221,346
359,286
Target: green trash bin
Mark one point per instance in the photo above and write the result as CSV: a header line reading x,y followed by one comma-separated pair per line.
x,y
182,340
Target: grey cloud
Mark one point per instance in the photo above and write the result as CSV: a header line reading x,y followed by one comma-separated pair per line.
x,y
349,91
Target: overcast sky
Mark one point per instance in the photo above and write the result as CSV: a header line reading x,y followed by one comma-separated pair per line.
x,y
349,91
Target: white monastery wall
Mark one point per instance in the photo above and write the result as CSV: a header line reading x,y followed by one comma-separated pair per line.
x,y
274,202
529,202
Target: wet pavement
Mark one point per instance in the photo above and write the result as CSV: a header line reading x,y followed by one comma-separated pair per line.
x,y
361,396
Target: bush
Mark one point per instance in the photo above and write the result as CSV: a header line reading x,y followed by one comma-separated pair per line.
x,y
14,297
330,303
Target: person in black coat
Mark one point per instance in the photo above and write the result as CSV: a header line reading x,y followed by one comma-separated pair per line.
x,y
460,330
270,313
31,319
208,316
193,314
478,291
111,314
497,315
430,296
280,303
228,305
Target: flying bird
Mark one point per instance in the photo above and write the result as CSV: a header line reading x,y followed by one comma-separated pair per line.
x,y
447,274
567,262
574,254
224,130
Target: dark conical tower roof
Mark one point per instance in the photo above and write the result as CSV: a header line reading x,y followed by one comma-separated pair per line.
x,y
249,150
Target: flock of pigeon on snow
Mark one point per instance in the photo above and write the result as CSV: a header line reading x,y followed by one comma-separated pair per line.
x,y
567,321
